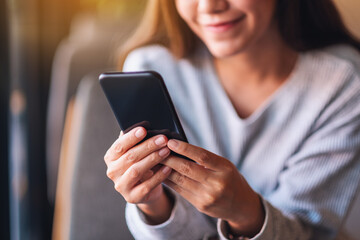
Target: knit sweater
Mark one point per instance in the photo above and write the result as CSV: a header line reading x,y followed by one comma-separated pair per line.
x,y
299,150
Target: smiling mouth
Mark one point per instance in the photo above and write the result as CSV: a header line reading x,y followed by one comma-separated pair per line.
x,y
223,26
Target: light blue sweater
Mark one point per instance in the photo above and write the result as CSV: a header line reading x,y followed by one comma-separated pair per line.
x,y
299,150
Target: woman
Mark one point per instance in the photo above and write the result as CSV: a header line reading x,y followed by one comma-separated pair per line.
x,y
268,94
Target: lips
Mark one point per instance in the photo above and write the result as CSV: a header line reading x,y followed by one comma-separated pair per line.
x,y
223,26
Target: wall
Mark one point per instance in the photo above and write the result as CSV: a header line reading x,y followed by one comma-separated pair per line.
x,y
350,10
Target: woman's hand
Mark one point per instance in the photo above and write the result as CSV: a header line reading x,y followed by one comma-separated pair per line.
x,y
215,187
136,172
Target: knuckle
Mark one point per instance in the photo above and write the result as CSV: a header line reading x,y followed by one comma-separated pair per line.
x,y
118,187
203,156
179,179
210,200
107,157
153,157
119,148
207,203
134,172
130,156
110,173
219,187
228,168
185,168
149,145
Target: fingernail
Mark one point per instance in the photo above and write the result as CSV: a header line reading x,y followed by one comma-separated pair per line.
x,y
160,141
163,152
173,143
140,133
166,170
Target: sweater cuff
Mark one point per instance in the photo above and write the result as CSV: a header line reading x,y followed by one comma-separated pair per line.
x,y
185,222
138,226
266,231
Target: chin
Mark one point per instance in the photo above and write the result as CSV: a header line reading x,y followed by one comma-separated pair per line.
x,y
225,50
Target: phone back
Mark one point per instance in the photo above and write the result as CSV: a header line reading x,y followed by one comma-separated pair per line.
x,y
141,99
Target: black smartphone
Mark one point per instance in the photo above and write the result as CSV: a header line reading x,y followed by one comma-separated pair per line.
x,y
141,99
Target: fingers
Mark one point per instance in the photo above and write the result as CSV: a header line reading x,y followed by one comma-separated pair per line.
x,y
136,183
141,191
187,168
124,143
185,182
199,155
133,165
189,196
137,153
147,149
135,173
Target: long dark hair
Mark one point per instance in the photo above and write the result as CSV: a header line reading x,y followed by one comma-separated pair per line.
x,y
303,24
312,24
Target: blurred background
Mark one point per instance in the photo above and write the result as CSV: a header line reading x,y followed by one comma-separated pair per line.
x,y
50,55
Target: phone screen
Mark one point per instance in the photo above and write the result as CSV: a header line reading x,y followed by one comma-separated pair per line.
x,y
141,99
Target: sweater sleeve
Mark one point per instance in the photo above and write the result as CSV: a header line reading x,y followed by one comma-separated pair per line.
x,y
185,222
273,228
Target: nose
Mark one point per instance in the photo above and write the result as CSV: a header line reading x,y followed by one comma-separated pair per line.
x,y
212,6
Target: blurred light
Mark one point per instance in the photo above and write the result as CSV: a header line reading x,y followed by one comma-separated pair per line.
x,y
17,102
113,9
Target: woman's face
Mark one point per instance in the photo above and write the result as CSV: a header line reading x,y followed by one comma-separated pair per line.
x,y
228,27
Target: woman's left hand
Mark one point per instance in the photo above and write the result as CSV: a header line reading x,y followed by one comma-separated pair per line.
x,y
215,187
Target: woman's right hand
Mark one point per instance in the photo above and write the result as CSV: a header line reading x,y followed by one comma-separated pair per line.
x,y
135,171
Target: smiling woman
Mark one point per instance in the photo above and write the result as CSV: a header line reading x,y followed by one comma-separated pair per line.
x,y
228,27
302,24
267,93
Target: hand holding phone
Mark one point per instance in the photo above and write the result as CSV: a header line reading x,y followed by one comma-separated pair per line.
x,y
141,99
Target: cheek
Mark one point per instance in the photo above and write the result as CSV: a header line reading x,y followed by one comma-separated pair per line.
x,y
260,16
186,9
261,10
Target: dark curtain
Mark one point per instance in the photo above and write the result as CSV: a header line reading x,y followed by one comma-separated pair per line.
x,y
4,100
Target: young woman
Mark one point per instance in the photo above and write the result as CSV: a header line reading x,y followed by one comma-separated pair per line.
x,y
268,93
